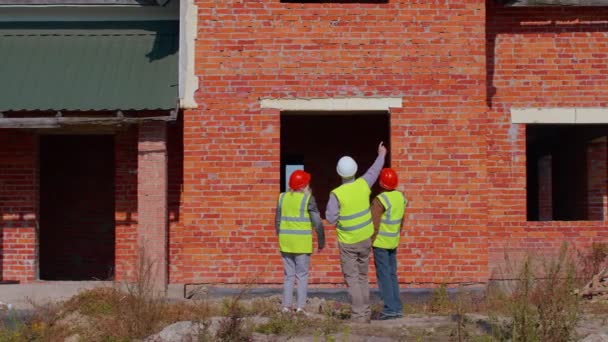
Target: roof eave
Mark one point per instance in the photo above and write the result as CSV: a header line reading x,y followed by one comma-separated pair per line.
x,y
28,3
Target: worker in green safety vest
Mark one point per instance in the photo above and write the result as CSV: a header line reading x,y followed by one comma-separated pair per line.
x,y
296,215
388,209
349,209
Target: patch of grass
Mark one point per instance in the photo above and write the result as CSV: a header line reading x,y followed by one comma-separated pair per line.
x,y
109,314
263,306
282,324
337,310
231,329
440,301
42,326
96,302
543,305
481,338
295,325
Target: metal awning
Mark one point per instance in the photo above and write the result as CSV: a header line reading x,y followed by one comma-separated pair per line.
x,y
88,66
83,2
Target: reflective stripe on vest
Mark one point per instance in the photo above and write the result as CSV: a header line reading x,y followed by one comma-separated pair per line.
x,y
355,219
295,230
390,224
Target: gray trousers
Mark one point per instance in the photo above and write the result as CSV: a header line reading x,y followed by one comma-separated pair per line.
x,y
295,266
354,260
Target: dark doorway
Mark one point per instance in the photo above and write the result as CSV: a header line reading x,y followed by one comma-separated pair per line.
x,y
316,140
76,207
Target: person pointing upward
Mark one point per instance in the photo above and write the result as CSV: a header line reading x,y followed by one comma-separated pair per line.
x,y
349,209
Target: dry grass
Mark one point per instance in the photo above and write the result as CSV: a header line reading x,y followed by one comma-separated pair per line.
x,y
294,325
539,305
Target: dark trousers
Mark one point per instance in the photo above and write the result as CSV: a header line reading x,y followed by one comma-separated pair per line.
x,y
386,272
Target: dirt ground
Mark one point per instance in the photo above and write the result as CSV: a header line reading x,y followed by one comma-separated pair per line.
x,y
107,314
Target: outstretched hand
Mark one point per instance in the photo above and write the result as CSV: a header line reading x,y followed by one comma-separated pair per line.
x,y
381,149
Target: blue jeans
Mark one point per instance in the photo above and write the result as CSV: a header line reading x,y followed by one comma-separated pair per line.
x,y
295,266
386,272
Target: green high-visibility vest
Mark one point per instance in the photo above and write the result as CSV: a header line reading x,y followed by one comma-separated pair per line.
x,y
355,219
295,230
390,224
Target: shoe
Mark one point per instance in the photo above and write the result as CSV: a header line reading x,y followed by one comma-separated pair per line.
x,y
386,316
285,310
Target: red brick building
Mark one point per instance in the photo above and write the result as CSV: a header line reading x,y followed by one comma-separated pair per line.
x,y
494,115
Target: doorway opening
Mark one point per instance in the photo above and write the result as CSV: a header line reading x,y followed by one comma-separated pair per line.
x,y
76,238
314,141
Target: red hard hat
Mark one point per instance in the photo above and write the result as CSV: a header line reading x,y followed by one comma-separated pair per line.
x,y
388,179
299,179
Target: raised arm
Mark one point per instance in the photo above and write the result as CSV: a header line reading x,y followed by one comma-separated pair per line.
x,y
371,175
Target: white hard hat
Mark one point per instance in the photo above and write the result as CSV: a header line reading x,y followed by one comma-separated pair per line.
x,y
347,167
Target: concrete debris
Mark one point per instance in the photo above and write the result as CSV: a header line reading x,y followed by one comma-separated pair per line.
x,y
177,332
5,306
192,331
597,288
596,338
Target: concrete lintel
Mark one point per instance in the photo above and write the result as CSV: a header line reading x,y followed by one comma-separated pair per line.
x,y
543,115
591,115
560,115
334,104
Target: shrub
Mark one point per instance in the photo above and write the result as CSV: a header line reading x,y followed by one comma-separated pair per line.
x,y
544,306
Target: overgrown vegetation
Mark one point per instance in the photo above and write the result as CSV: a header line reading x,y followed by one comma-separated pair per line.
x,y
538,304
542,304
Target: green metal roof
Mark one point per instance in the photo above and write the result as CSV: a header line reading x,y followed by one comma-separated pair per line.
x,y
85,66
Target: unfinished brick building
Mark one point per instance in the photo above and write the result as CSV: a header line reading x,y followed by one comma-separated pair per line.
x,y
494,113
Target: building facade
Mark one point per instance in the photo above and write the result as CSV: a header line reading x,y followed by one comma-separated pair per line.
x,y
494,114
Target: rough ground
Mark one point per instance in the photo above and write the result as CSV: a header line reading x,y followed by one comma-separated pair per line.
x,y
413,327
593,326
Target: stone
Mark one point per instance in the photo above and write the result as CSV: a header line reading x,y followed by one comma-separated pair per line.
x,y
596,338
178,332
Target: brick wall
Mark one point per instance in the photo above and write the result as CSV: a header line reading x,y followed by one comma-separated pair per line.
x,y
18,212
459,69
544,57
430,53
